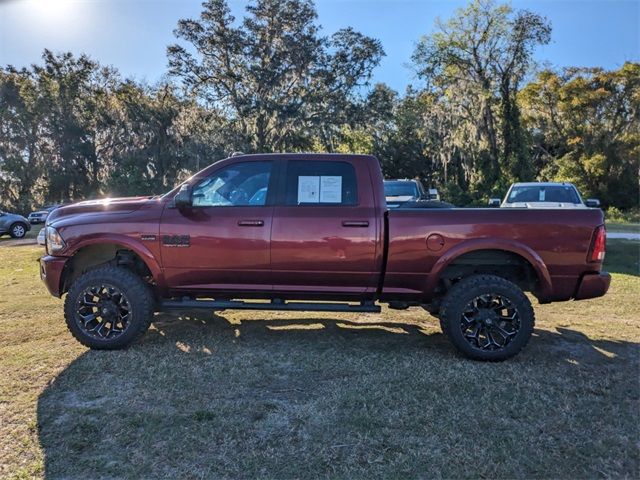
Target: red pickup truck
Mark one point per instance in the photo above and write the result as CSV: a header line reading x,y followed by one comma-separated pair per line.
x,y
312,232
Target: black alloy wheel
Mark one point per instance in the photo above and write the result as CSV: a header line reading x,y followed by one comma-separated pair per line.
x,y
103,312
490,322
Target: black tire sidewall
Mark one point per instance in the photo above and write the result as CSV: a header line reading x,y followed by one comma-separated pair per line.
x,y
137,294
468,289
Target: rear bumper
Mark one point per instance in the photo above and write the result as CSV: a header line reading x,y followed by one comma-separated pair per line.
x,y
593,285
51,273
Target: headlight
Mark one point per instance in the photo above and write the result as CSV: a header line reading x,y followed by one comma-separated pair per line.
x,y
54,241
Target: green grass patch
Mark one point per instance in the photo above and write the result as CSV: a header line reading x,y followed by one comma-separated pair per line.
x,y
623,227
623,256
291,395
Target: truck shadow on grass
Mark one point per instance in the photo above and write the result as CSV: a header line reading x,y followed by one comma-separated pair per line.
x,y
240,396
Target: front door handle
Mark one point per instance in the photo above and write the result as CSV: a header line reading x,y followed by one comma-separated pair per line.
x,y
355,223
250,223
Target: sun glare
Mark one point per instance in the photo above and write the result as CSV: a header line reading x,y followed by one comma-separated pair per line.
x,y
52,12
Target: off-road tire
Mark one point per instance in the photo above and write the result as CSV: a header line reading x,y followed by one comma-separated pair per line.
x,y
13,230
463,292
139,296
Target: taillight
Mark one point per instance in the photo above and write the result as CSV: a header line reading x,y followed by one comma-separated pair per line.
x,y
598,245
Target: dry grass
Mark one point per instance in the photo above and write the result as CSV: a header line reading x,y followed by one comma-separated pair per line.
x,y
284,395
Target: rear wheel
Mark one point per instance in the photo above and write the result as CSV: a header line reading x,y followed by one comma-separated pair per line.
x,y
108,308
487,317
18,230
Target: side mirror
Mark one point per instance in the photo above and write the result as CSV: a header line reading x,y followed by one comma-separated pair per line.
x,y
592,203
494,202
182,200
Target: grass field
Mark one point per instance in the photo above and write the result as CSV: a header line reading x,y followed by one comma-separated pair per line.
x,y
289,395
623,227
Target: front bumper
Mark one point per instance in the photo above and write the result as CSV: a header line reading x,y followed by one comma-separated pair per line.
x,y
593,285
51,269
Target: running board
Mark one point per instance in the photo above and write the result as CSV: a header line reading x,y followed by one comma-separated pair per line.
x,y
190,303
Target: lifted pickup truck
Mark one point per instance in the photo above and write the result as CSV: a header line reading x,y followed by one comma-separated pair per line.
x,y
312,232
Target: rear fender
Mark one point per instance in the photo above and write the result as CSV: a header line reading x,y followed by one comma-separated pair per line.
x,y
518,248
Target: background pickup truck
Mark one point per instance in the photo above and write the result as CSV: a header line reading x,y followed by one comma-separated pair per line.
x,y
312,232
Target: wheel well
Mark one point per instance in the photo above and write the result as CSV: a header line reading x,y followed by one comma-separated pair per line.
x,y
93,256
502,263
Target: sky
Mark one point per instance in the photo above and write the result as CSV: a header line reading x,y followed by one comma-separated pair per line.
x,y
132,35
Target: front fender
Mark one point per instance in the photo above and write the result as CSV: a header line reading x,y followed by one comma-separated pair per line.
x,y
491,244
130,243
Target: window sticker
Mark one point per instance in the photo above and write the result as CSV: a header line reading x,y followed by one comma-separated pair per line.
x,y
308,189
331,189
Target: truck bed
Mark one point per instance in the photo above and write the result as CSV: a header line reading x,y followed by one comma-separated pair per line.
x,y
555,242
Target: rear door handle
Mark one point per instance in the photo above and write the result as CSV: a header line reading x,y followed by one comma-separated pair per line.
x,y
250,223
355,223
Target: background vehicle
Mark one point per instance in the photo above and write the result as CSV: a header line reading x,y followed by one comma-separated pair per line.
x,y
543,195
41,238
13,224
40,216
433,194
321,232
399,191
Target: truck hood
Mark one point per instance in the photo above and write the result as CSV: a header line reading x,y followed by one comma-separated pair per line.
x,y
542,205
102,206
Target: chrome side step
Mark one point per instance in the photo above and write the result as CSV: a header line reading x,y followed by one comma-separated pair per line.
x,y
276,304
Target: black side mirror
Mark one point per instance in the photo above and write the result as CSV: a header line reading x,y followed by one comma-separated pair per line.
x,y
592,203
182,200
494,202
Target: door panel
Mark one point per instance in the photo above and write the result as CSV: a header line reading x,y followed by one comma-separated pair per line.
x,y
223,242
328,247
223,254
311,250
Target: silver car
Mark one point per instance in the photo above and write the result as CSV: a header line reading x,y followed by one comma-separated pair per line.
x,y
544,195
15,225
40,216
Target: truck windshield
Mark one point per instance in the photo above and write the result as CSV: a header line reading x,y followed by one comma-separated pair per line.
x,y
543,193
400,189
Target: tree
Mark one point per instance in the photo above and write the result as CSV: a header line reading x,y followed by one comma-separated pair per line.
x,y
274,76
585,126
477,61
20,127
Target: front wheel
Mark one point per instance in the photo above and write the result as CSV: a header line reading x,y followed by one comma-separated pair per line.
x,y
487,317
18,230
108,308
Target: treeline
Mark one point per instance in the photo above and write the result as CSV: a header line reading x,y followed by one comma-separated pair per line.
x,y
483,117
